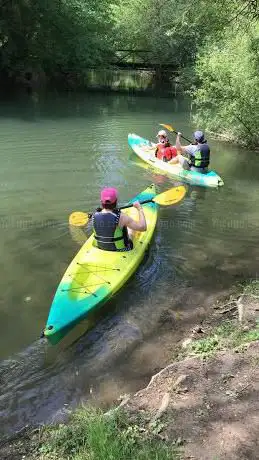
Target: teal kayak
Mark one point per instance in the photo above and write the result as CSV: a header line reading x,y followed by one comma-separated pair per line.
x,y
143,148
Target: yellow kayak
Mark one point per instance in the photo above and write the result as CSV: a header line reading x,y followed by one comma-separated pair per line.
x,y
95,275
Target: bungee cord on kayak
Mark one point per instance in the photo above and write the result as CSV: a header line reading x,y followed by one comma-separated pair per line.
x,y
99,269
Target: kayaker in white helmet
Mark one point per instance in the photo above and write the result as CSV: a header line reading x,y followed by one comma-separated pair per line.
x,y
112,228
162,136
164,150
198,153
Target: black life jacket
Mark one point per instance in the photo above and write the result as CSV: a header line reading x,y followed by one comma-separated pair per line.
x,y
201,159
107,233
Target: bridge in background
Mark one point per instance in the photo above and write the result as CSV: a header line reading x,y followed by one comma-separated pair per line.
x,y
140,60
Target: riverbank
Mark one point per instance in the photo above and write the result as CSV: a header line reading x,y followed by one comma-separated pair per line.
x,y
202,406
232,139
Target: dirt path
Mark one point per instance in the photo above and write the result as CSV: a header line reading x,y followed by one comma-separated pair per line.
x,y
206,401
210,403
212,406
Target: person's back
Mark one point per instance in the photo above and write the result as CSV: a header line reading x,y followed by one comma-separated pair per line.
x,y
199,157
111,225
199,153
107,233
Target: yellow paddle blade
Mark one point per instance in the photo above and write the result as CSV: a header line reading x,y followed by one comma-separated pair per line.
x,y
168,127
171,196
78,219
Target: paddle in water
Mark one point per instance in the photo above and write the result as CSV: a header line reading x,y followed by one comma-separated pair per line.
x,y
172,130
167,198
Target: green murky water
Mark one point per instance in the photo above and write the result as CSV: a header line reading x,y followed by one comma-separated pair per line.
x,y
56,153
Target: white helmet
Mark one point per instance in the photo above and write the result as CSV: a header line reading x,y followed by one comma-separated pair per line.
x,y
162,133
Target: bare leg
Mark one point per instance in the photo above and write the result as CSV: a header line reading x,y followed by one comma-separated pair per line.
x,y
174,161
183,162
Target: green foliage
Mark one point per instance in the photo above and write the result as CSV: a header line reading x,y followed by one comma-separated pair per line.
x,y
90,435
227,98
54,35
251,287
225,336
205,346
156,426
171,30
150,26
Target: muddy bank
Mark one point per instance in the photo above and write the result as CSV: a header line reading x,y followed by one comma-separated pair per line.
x,y
211,406
210,399
204,402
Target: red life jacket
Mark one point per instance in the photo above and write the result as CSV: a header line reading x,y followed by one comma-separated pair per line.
x,y
165,152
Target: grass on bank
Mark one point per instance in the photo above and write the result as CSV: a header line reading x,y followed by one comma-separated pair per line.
x,y
250,287
91,435
229,335
224,337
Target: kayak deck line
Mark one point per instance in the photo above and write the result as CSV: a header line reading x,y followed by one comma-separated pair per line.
x,y
82,287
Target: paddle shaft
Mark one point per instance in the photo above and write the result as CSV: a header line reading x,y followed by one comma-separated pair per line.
x,y
170,128
151,200
166,198
188,140
141,202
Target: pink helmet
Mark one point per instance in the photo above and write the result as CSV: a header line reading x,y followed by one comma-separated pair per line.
x,y
109,195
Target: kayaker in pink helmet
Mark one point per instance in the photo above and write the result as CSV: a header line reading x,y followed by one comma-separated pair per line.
x,y
113,228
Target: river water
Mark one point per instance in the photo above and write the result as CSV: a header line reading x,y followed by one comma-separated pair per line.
x,y
56,153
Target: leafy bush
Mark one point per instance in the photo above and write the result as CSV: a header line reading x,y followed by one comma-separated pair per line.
x,y
54,36
227,97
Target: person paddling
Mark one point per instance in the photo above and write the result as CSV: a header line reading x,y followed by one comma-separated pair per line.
x,y
198,152
164,150
112,228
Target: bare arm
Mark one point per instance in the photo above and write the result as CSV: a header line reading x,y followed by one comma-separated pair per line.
x,y
127,221
180,148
